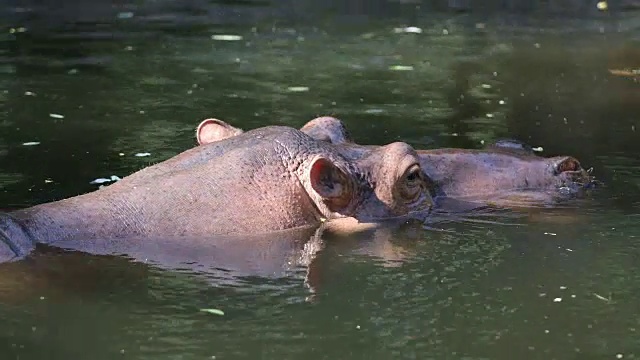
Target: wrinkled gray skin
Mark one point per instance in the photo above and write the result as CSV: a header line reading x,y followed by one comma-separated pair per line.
x,y
505,174
261,181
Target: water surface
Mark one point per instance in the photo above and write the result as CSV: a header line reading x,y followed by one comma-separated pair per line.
x,y
545,284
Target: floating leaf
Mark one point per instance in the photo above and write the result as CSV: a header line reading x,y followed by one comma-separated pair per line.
x,y
213,311
401,68
624,72
31,143
125,15
298,88
56,116
142,154
408,29
100,181
226,37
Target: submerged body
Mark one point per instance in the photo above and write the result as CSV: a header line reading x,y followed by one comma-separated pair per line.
x,y
506,174
265,180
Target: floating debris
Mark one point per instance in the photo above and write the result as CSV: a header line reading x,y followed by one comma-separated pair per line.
x,y
537,149
29,93
17,30
408,30
602,297
56,116
557,299
100,181
125,15
48,181
602,5
31,143
213,311
226,37
373,111
298,88
552,234
142,154
105,180
401,68
625,72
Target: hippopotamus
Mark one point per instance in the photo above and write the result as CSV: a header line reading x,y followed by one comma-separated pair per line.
x,y
265,180
506,173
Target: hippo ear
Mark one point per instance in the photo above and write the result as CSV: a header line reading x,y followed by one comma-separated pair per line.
x,y
211,130
327,128
331,183
565,164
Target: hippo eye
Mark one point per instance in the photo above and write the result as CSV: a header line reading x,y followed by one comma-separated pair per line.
x,y
413,175
411,184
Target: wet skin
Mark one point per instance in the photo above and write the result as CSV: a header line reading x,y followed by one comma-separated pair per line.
x,y
505,174
257,182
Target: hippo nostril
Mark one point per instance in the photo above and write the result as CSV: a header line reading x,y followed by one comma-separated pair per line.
x,y
568,164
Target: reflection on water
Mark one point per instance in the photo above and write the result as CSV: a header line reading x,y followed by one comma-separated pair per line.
x,y
123,80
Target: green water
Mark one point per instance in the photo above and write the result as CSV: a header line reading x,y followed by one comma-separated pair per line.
x,y
547,284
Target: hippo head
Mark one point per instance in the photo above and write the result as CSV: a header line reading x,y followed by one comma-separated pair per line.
x,y
504,168
563,174
386,182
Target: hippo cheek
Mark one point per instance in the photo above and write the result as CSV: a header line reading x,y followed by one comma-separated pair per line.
x,y
374,210
401,205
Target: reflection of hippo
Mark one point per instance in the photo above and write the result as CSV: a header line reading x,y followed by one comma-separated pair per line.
x,y
506,173
264,180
